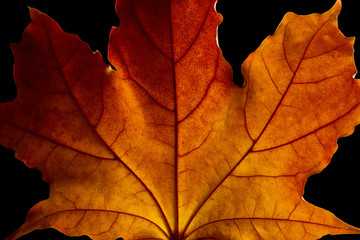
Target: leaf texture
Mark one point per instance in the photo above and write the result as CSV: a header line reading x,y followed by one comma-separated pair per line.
x,y
167,146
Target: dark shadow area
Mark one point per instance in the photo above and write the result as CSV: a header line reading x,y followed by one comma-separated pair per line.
x,y
50,234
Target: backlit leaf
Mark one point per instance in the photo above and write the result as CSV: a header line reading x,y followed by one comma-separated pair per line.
x,y
167,146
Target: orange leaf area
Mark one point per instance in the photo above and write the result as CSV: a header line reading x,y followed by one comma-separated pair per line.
x,y
167,146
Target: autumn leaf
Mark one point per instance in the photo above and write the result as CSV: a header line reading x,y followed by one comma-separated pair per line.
x,y
167,146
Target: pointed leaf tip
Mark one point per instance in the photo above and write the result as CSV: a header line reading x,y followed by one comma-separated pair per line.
x,y
336,8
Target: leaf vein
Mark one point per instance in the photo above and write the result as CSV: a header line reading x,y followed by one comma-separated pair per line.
x,y
196,36
259,136
142,28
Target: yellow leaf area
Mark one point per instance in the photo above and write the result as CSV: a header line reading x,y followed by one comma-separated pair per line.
x,y
167,146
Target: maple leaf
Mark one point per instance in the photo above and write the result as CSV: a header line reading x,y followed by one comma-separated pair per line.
x,y
166,146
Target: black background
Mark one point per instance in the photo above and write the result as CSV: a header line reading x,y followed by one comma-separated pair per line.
x,y
245,25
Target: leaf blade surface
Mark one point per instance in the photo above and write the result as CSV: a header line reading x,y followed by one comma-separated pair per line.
x,y
166,146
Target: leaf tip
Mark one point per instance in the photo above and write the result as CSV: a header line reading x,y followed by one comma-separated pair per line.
x,y
33,11
336,8
36,14
338,3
